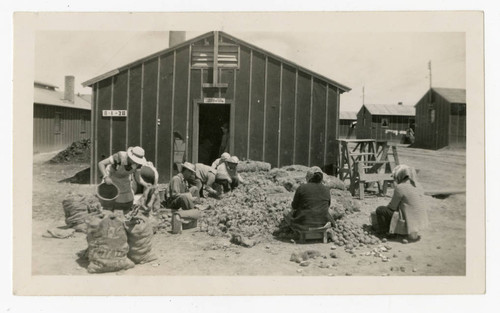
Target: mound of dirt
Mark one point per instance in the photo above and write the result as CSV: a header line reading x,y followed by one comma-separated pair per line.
x,y
77,152
82,177
253,166
250,210
258,208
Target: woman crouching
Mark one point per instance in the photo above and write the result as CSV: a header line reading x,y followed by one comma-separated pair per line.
x,y
409,200
311,203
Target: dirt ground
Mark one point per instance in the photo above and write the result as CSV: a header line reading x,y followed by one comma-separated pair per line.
x,y
440,252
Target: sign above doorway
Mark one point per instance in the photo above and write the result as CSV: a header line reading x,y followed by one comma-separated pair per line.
x,y
214,100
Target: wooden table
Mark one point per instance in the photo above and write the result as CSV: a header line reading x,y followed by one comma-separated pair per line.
x,y
366,161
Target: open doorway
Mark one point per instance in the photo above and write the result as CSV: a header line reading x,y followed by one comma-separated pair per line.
x,y
212,117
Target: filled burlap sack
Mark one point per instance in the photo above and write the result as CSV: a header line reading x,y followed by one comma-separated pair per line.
x,y
140,239
107,244
77,209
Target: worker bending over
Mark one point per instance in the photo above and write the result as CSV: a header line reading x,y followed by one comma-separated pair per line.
x,y
227,174
204,179
117,170
221,160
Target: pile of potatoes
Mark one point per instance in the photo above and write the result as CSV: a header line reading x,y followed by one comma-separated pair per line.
x,y
350,235
259,207
248,210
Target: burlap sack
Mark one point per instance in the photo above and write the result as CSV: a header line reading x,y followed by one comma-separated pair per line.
x,y
140,239
107,244
77,209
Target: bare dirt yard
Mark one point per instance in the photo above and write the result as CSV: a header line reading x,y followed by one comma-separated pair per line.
x,y
441,251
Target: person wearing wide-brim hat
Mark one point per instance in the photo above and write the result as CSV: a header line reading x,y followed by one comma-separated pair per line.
x,y
117,170
181,196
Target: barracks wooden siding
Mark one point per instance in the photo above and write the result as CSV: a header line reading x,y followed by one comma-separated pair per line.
x,y
384,122
441,119
278,112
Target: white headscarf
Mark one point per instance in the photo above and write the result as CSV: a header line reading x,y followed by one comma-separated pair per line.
x,y
401,172
313,170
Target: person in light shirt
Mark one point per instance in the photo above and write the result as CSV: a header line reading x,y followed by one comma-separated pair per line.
x,y
409,199
181,196
227,174
117,170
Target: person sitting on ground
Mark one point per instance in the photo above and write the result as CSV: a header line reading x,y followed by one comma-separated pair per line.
x,y
227,174
221,160
204,179
311,203
117,170
409,199
181,196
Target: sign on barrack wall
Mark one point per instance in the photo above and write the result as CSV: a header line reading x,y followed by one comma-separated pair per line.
x,y
114,113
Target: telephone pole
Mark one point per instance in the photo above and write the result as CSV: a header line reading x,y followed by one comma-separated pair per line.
x,y
430,74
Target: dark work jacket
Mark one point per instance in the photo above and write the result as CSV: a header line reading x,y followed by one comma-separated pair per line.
x,y
310,205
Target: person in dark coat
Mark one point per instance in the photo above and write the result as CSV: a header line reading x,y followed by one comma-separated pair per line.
x,y
311,202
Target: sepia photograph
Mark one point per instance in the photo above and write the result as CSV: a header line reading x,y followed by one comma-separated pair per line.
x,y
282,152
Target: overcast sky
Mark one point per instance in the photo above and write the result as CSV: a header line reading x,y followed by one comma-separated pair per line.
x,y
392,67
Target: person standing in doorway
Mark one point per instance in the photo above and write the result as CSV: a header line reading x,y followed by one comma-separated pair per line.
x,y
224,143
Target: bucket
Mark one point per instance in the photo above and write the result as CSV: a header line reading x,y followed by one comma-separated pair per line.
x,y
176,223
107,194
148,174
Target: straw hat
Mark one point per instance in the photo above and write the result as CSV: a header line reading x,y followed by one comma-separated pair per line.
x,y
189,166
136,154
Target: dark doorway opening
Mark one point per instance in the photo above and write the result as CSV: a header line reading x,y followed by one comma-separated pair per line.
x,y
211,119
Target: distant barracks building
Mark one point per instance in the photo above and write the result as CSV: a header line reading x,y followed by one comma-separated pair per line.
x,y
178,98
59,118
384,122
441,119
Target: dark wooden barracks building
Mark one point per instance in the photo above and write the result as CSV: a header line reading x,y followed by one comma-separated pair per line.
x,y
175,101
